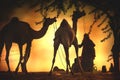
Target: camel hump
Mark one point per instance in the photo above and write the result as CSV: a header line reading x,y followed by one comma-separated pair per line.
x,y
65,24
64,28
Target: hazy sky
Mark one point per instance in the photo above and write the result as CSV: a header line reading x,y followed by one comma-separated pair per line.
x,y
42,49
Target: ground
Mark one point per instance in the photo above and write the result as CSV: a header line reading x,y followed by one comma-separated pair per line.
x,y
58,76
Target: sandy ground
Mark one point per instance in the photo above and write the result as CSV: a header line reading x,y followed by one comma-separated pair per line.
x,y
58,76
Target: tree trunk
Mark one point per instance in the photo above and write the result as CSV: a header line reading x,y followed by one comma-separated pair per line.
x,y
116,50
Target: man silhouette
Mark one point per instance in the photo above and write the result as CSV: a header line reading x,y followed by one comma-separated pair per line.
x,y
88,53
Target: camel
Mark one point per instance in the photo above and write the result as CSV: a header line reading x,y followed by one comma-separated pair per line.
x,y
67,37
20,32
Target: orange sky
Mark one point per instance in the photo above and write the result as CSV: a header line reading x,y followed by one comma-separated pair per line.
x,y
42,49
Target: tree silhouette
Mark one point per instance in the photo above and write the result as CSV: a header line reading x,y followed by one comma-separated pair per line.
x,y
112,12
110,8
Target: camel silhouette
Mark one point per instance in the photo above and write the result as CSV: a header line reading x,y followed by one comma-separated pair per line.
x,y
67,37
20,32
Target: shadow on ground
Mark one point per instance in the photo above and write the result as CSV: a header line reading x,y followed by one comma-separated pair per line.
x,y
58,76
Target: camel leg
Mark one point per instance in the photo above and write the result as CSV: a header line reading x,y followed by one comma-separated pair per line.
x,y
75,43
26,57
56,45
20,49
8,46
67,60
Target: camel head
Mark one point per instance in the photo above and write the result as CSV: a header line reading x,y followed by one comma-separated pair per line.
x,y
77,14
49,21
45,20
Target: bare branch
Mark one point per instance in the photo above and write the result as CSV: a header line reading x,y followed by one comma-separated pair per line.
x,y
44,14
109,59
103,21
44,17
107,30
91,26
108,36
105,27
92,11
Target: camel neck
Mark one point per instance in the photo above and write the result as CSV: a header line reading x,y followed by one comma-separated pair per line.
x,y
75,25
41,32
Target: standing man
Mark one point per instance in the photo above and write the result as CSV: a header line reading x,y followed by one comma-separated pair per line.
x,y
88,53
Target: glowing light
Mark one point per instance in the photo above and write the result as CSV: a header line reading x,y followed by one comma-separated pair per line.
x,y
42,49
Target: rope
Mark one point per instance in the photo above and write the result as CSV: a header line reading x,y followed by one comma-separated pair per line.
x,y
61,57
3,60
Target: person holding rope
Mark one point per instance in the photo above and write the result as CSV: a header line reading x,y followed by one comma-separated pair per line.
x,y
88,53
